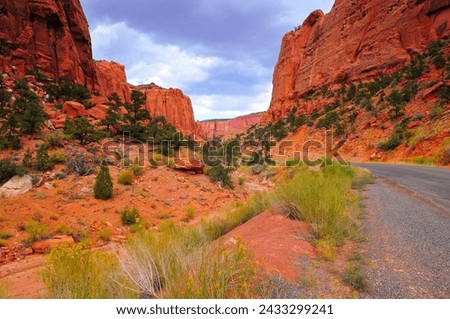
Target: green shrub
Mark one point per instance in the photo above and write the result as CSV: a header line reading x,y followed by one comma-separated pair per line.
x,y
444,94
105,234
54,139
415,68
65,230
328,121
5,235
43,161
189,215
437,110
391,144
129,216
136,169
70,91
103,187
7,170
79,128
58,157
354,273
220,174
35,231
126,177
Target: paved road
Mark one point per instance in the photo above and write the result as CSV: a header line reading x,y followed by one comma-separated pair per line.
x,y
430,182
408,230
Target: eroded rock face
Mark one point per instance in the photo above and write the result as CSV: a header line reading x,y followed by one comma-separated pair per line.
x,y
357,40
50,34
170,103
54,36
111,78
229,128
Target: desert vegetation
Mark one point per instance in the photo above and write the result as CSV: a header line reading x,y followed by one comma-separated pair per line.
x,y
192,261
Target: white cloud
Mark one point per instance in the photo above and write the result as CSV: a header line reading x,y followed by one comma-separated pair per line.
x,y
170,66
223,106
147,61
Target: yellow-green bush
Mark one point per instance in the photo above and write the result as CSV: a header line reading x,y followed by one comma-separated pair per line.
x,y
35,231
76,273
126,177
58,157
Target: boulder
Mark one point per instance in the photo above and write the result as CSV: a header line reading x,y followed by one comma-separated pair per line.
x,y
74,109
43,246
16,186
189,166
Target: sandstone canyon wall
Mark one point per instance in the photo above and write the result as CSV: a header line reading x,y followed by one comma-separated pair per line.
x,y
110,77
170,103
229,128
54,36
50,34
357,40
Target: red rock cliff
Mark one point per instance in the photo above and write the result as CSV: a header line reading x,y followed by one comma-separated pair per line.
x,y
50,34
170,103
54,36
357,40
110,77
229,128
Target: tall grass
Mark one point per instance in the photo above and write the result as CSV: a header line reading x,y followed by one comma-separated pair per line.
x,y
76,273
188,262
172,262
322,199
180,263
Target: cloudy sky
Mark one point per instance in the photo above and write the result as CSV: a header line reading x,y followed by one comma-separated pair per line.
x,y
219,52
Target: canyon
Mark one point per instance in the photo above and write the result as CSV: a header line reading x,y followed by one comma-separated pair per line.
x,y
229,128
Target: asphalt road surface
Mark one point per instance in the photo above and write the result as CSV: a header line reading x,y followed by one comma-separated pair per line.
x,y
408,232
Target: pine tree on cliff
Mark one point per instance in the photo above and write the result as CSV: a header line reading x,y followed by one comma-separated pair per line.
x,y
136,117
112,117
103,188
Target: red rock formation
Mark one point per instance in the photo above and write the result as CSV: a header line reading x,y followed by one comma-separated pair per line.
x,y
54,36
229,128
170,103
111,78
74,109
357,40
50,34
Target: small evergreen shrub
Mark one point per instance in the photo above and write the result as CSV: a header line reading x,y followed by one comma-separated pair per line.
x,y
7,170
43,162
129,216
103,187
220,174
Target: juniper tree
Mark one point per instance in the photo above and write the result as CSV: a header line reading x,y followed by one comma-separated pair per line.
x,y
103,187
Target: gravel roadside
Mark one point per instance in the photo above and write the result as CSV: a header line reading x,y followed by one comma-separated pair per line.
x,y
408,247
